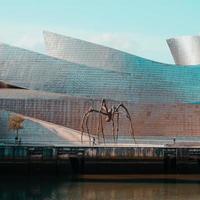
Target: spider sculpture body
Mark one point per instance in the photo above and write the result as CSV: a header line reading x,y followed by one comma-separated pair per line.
x,y
109,115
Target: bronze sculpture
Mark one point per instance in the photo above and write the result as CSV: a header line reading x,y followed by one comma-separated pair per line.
x,y
110,115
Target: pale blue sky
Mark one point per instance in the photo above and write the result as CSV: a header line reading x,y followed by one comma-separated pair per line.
x,y
136,26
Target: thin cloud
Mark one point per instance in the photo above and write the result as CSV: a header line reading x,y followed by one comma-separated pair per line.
x,y
32,42
151,47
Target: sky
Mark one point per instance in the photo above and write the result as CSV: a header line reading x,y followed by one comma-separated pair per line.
x,y
140,27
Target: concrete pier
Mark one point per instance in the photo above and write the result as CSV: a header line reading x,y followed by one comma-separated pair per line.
x,y
110,159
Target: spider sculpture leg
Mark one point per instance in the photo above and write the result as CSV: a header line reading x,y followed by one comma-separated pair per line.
x,y
85,121
102,131
117,125
100,128
100,123
129,118
87,129
102,111
82,128
113,129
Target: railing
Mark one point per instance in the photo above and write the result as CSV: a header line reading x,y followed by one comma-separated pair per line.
x,y
31,153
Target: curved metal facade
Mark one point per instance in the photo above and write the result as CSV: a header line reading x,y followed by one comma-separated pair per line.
x,y
93,55
163,99
147,83
149,119
185,50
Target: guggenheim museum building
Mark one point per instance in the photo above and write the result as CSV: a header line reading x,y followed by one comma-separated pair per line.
x,y
53,91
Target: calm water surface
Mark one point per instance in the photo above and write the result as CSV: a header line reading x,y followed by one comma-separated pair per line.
x,y
37,188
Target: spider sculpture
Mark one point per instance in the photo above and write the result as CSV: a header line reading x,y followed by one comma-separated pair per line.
x,y
110,115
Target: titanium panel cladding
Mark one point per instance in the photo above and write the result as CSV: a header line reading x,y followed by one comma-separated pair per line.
x,y
185,50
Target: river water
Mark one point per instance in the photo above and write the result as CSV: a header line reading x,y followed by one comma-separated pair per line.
x,y
61,188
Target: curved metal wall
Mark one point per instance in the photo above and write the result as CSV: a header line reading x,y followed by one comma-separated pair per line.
x,y
147,83
156,94
93,55
149,119
185,50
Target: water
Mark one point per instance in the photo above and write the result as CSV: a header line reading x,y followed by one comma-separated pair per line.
x,y
45,188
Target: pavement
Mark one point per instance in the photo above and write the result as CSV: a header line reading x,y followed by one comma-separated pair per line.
x,y
141,141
